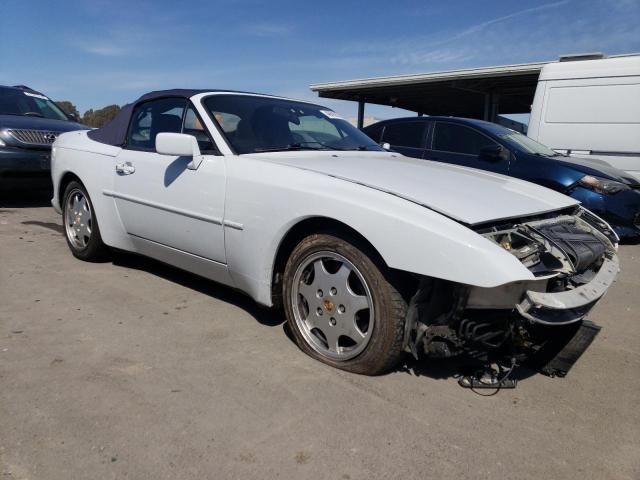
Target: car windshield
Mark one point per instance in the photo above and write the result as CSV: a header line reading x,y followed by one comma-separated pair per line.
x,y
522,142
22,102
254,124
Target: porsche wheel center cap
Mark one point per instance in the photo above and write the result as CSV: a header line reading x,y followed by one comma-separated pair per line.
x,y
328,305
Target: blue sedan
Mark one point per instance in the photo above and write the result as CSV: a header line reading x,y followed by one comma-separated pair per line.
x,y
609,192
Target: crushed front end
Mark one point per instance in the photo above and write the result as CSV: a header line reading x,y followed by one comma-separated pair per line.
x,y
541,322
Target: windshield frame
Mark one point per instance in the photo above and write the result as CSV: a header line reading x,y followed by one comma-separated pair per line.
x,y
369,144
53,106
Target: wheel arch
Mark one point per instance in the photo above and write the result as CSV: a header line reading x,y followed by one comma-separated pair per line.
x,y
309,226
65,180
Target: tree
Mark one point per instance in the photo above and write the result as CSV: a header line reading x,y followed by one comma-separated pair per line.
x,y
97,118
68,108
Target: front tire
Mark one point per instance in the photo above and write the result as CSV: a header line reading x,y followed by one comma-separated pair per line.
x,y
81,225
341,306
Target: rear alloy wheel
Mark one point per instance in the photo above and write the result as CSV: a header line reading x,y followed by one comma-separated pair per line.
x,y
341,308
81,225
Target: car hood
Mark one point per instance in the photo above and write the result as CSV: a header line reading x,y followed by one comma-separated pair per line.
x,y
595,166
467,195
36,123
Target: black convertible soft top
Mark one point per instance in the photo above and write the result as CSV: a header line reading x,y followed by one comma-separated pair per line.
x,y
115,132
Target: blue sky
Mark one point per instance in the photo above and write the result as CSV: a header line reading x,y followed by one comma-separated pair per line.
x,y
100,52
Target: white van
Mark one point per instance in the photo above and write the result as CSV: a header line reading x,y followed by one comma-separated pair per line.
x,y
590,107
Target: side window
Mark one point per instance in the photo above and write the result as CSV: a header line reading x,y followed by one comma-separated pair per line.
x,y
405,134
450,137
150,118
193,126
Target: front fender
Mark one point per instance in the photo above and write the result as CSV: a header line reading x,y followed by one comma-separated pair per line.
x,y
266,200
545,171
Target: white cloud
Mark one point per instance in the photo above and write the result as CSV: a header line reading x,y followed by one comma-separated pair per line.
x,y
481,26
427,49
117,41
446,56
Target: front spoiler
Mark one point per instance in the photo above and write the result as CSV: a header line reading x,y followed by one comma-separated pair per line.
x,y
570,306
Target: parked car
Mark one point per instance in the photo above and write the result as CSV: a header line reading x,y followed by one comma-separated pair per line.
x,y
590,108
371,254
609,192
29,123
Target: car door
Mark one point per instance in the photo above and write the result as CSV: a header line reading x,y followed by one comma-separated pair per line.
x,y
460,145
408,138
158,198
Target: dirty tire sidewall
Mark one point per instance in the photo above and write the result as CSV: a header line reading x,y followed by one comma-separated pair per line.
x,y
385,348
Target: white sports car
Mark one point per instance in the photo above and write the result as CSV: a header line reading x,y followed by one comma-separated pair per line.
x,y
370,253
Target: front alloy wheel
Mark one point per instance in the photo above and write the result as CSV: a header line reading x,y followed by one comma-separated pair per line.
x,y
341,307
332,305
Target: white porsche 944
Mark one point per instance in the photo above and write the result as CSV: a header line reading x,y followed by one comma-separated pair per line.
x,y
369,253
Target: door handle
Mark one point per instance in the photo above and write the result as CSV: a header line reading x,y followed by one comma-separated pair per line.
x,y
125,168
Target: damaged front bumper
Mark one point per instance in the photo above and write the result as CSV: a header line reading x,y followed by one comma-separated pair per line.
x,y
561,308
542,321
574,262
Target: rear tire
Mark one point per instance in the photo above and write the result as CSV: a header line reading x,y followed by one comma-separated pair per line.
x,y
341,307
81,225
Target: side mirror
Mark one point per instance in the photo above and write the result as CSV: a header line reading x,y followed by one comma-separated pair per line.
x,y
179,145
491,152
386,146
73,117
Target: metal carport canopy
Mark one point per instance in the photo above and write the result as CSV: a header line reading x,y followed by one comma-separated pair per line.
x,y
475,92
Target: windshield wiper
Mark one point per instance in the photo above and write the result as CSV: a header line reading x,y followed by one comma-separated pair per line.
x,y
554,154
306,146
350,149
292,146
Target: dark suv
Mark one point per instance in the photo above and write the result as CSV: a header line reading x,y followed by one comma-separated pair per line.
x,y
29,123
609,192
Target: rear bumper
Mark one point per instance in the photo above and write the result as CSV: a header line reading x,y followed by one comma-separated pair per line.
x,y
569,306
